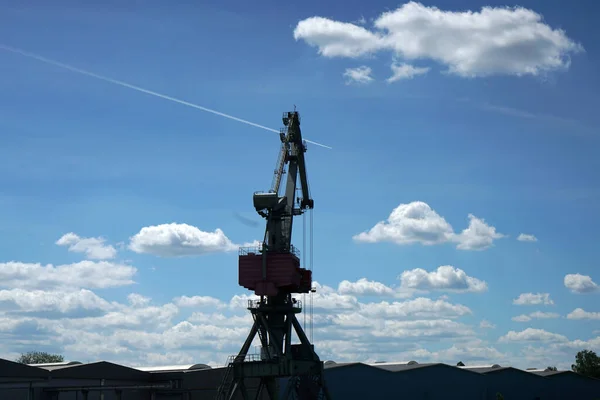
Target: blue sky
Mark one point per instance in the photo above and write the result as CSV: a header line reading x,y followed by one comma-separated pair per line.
x,y
491,114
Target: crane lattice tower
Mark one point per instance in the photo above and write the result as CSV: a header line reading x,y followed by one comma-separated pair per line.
x,y
273,272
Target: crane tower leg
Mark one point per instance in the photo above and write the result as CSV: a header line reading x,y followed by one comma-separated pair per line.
x,y
280,358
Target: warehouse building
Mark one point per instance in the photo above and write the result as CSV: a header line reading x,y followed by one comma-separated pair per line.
x,y
569,385
407,380
513,383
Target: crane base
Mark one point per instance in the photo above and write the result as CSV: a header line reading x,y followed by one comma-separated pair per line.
x,y
275,319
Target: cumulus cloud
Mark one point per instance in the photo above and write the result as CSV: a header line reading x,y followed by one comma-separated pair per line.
x,y
198,301
38,309
86,274
360,75
420,307
521,318
81,324
484,324
523,237
445,277
530,299
59,301
580,313
493,41
364,287
478,236
532,335
474,351
402,71
94,248
423,328
173,240
417,222
578,283
535,315
337,39
137,300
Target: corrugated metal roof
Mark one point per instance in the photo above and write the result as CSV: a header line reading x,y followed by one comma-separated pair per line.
x,y
337,365
483,370
393,367
377,363
174,368
544,372
57,364
480,366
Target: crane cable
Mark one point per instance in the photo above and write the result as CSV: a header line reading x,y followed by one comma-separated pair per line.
x,y
312,269
304,258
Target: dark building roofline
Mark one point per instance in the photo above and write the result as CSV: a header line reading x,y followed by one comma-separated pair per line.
x,y
98,370
11,369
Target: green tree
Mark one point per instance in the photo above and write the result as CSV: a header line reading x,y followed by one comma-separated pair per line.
x,y
551,369
39,357
499,396
587,363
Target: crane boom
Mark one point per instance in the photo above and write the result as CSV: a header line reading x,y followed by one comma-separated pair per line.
x,y
279,211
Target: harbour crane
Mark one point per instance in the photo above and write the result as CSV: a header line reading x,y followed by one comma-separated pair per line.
x,y
272,270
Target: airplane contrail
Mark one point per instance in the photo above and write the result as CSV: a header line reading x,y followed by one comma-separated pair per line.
x,y
139,89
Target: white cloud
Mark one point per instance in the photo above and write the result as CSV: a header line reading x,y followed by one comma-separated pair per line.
x,y
478,236
361,75
410,223
139,333
474,352
361,21
493,41
423,328
420,307
580,313
198,301
44,301
523,237
529,299
405,71
38,310
364,287
543,315
94,248
445,277
87,274
335,39
417,222
535,315
172,240
578,283
484,324
532,335
137,300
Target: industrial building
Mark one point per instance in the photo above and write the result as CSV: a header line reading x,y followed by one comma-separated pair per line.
x,y
408,380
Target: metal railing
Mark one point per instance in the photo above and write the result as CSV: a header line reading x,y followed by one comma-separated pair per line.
x,y
253,304
247,358
244,251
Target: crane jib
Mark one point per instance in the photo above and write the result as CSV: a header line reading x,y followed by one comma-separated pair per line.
x,y
279,206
